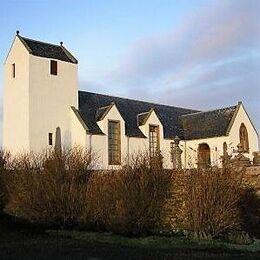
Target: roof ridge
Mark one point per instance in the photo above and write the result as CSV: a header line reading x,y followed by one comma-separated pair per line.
x,y
207,111
26,38
151,103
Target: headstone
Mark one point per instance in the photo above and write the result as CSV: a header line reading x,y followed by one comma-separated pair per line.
x,y
240,160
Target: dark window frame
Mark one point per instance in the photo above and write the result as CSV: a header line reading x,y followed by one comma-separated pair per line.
x,y
114,142
154,140
54,67
50,138
13,70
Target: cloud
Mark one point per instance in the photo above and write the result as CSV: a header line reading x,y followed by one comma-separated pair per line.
x,y
211,59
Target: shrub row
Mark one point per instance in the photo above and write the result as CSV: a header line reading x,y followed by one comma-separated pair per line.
x,y
64,190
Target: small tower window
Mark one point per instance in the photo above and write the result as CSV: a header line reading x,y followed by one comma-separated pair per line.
x,y
13,70
54,67
50,139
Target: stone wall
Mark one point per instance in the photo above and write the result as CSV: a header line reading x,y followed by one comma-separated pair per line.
x,y
252,176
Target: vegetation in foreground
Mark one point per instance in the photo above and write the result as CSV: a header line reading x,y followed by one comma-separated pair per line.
x,y
156,242
62,190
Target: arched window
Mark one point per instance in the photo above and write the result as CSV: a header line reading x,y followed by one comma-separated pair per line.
x,y
243,137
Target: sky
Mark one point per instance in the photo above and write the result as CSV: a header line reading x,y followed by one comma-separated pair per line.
x,y
201,54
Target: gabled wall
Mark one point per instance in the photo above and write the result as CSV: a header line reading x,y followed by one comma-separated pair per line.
x,y
242,117
16,99
99,143
139,145
190,147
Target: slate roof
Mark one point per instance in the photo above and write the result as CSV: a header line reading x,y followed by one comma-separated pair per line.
x,y
89,103
102,112
207,124
47,50
142,117
186,123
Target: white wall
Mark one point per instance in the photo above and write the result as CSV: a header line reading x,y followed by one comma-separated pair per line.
x,y
242,117
190,148
78,132
99,143
16,99
50,100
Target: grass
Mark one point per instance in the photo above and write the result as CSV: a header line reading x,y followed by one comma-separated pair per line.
x,y
155,242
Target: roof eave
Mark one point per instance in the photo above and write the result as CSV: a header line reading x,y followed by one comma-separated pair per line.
x,y
77,114
70,56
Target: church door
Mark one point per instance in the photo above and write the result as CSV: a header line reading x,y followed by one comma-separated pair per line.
x,y
203,155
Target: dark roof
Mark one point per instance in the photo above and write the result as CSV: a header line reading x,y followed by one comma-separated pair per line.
x,y
47,50
102,112
90,104
207,124
142,117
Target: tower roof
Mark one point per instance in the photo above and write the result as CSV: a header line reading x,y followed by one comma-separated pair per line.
x,y
47,50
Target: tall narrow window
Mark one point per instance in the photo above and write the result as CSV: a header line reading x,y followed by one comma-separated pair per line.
x,y
243,136
50,139
13,70
154,143
54,67
114,143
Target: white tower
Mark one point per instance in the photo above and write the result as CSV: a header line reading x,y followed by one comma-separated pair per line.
x,y
40,86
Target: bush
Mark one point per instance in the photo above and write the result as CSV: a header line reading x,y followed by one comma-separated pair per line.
x,y
50,188
206,202
4,160
62,189
129,201
250,211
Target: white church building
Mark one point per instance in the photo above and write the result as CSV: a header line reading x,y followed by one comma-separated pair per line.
x,y
41,95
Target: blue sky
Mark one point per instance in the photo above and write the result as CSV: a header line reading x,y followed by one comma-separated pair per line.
x,y
201,54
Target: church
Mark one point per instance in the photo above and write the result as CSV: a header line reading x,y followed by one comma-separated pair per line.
x,y
42,101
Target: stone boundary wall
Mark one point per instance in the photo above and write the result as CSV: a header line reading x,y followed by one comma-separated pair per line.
x,y
252,176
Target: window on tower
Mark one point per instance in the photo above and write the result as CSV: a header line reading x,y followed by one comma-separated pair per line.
x,y
13,70
50,139
54,67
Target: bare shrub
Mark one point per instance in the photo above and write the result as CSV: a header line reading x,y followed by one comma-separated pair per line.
x,y
129,200
250,212
207,201
4,160
50,187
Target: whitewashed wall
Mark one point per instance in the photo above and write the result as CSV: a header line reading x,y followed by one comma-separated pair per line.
x,y
190,148
78,132
99,143
16,99
50,100
242,117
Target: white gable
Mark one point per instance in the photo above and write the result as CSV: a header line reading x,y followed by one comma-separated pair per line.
x,y
242,117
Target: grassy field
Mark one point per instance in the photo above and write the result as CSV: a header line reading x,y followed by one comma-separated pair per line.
x,y
156,242
26,242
